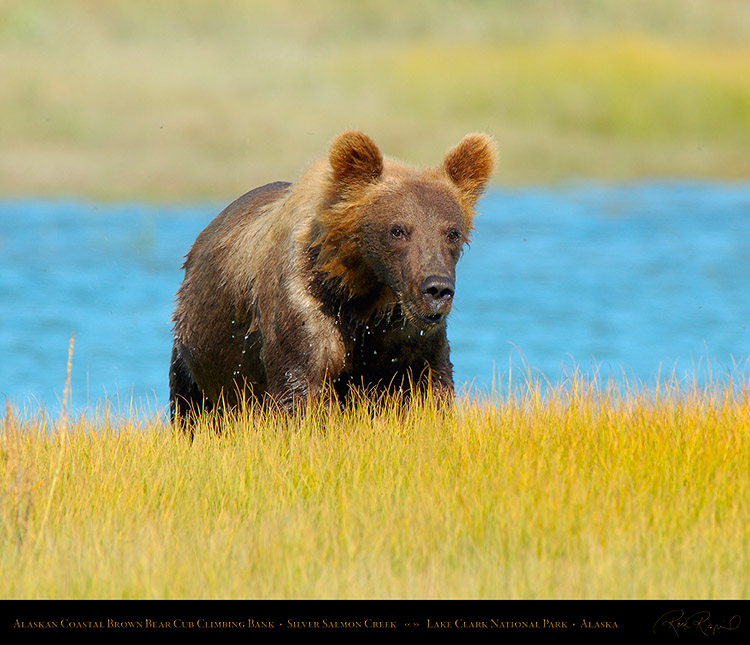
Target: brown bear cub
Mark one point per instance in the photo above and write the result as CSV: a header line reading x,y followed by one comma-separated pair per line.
x,y
340,280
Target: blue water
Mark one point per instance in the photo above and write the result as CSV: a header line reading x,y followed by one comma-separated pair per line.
x,y
623,280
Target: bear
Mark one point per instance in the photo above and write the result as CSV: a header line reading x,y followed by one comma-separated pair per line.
x,y
339,282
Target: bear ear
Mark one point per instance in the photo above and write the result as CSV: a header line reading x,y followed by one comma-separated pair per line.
x,y
470,164
355,160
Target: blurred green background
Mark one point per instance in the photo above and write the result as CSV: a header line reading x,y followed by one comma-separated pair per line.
x,y
183,99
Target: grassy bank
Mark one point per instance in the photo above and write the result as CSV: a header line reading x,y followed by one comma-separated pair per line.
x,y
585,492
176,100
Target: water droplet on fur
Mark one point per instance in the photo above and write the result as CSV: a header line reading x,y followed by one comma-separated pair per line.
x,y
421,332
394,360
374,351
233,322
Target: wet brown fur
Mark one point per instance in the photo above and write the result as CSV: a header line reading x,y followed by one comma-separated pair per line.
x,y
295,287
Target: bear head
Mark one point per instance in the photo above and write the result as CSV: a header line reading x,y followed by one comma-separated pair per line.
x,y
391,235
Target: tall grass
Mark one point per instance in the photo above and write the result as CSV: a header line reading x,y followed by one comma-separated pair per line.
x,y
583,490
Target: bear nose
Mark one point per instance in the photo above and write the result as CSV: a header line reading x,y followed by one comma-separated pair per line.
x,y
438,289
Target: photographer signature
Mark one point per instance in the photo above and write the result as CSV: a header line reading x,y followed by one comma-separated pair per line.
x,y
677,621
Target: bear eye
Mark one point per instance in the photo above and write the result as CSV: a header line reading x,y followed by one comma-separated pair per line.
x,y
454,235
398,233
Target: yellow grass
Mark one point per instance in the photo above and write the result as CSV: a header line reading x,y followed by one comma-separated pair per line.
x,y
585,491
192,99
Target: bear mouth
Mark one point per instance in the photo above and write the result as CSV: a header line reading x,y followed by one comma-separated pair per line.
x,y
425,320
432,319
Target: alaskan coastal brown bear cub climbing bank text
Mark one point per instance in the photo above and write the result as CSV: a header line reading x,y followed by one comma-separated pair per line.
x,y
342,279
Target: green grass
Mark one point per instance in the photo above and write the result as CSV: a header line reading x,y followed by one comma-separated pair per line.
x,y
585,491
178,100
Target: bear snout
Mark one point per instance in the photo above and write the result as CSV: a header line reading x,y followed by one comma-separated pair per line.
x,y
437,291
